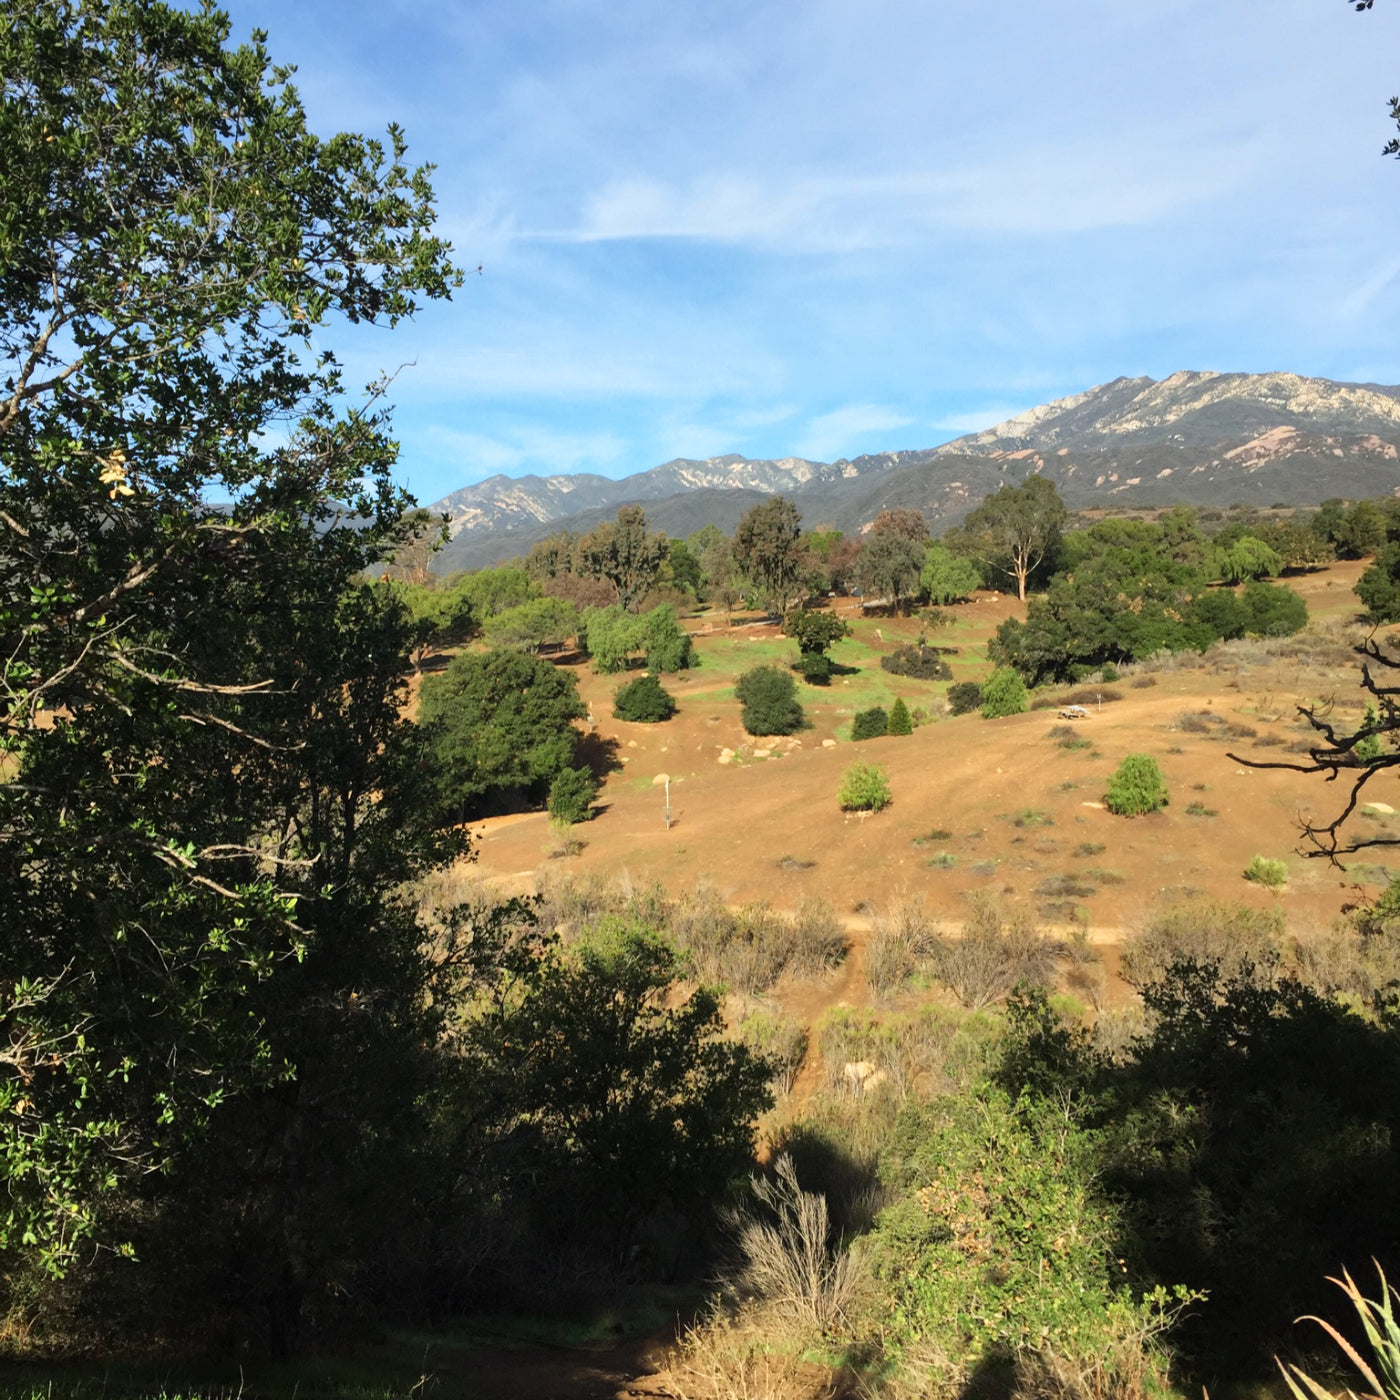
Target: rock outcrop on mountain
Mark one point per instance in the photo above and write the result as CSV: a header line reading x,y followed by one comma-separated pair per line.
x,y
1197,436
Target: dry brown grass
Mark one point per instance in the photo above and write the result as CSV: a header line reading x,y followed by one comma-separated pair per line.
x,y
742,1358
1232,936
999,948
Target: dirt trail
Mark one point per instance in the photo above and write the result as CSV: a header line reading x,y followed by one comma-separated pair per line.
x,y
613,1371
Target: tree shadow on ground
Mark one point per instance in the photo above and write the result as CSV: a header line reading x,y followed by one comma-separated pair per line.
x,y
599,754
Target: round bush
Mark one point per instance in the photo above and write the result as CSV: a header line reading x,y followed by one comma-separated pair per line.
x,y
1136,787
814,667
769,698
571,795
643,701
864,788
901,722
964,697
922,662
1004,693
873,723
1263,871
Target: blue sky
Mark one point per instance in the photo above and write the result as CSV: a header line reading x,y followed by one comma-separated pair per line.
x,y
826,227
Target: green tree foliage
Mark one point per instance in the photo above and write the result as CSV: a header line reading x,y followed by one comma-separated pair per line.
x,y
201,850
814,667
498,725
946,577
1298,546
1272,610
1361,531
492,591
644,701
1379,587
539,623
1248,558
439,618
551,557
1016,530
873,723
667,644
767,547
864,788
684,567
611,636
900,720
892,556
571,795
965,697
627,1098
814,630
769,699
1123,597
999,1248
923,662
1136,787
1003,693
1245,1139
626,554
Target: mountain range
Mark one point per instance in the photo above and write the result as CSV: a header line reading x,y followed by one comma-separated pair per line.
x,y
1196,437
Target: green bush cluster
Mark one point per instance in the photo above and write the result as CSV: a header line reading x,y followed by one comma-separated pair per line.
x,y
1136,787
924,663
965,697
768,695
873,723
864,788
900,721
644,701
1003,693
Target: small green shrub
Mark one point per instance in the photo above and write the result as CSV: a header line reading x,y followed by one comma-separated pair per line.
x,y
873,723
900,720
769,697
1136,787
814,667
1264,871
571,795
1004,693
643,701
864,788
964,697
923,663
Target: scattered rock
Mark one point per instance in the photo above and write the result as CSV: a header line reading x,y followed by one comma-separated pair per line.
x,y
828,743
1099,805
763,753
660,779
1384,808
631,743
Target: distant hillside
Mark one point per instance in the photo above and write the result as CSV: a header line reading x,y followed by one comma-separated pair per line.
x,y
1196,437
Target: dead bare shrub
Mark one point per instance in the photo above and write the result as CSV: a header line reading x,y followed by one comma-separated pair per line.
x,y
818,939
1084,970
901,941
791,1261
996,951
1233,936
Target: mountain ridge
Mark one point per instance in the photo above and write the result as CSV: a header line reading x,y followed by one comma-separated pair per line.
x,y
1198,436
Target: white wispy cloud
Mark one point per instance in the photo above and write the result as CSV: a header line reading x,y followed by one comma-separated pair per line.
x,y
847,430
